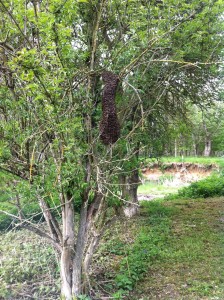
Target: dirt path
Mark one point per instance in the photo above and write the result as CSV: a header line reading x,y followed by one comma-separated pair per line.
x,y
193,264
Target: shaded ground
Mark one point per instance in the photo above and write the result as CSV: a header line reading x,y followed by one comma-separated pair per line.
x,y
193,264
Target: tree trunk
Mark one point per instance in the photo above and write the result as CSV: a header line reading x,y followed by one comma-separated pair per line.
x,y
208,147
129,193
66,274
175,148
67,249
79,251
90,251
195,147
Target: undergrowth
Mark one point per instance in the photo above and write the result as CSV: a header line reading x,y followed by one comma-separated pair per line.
x,y
28,267
212,186
151,236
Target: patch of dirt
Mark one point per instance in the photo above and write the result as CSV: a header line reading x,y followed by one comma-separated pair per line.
x,y
178,173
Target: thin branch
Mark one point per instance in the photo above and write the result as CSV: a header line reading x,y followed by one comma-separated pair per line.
x,y
132,64
15,22
31,227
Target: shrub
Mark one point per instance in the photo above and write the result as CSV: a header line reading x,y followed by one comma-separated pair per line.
x,y
211,186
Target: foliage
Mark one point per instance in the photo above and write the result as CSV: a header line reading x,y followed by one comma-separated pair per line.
x,y
26,259
53,54
212,186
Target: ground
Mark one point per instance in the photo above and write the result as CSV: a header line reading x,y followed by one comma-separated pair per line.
x,y
173,251
160,179
193,268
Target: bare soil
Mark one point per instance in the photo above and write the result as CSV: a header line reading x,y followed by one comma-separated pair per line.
x,y
182,172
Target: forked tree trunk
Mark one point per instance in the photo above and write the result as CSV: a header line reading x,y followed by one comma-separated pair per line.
x,y
72,256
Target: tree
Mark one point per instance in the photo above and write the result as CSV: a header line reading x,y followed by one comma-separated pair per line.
x,y
51,120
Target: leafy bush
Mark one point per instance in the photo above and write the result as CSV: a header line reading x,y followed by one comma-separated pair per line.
x,y
211,186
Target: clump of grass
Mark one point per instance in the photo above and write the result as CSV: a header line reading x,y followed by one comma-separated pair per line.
x,y
211,186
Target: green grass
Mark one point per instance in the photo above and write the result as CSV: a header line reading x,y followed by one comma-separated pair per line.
x,y
212,186
160,188
155,189
174,250
192,261
27,267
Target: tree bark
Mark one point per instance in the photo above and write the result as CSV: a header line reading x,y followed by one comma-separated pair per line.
x,y
129,193
208,147
67,249
79,251
175,148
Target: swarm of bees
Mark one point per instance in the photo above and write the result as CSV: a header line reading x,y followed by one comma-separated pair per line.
x,y
109,125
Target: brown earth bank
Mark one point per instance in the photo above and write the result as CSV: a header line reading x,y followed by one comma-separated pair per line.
x,y
184,172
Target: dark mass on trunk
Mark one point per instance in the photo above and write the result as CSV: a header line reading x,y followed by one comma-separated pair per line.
x,y
109,125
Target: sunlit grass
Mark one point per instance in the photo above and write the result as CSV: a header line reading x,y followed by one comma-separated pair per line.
x,y
156,189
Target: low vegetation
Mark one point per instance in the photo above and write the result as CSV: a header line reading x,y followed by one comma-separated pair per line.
x,y
190,159
172,250
28,267
212,186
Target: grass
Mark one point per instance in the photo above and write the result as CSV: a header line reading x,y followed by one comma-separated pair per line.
x,y
174,250
27,266
164,186
192,261
156,189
